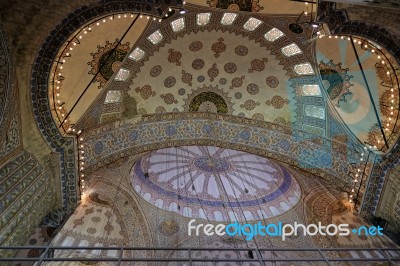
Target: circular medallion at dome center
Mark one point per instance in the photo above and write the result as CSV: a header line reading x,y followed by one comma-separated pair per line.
x,y
211,164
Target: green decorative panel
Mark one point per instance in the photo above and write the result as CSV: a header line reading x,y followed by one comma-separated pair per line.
x,y
26,195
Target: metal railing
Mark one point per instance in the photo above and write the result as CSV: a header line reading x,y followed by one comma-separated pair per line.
x,y
260,256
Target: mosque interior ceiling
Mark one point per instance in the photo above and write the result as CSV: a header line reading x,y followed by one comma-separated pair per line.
x,y
215,110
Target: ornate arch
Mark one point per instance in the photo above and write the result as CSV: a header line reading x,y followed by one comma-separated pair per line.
x,y
66,146
340,24
391,43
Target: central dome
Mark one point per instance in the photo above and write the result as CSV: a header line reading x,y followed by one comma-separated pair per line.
x,y
214,183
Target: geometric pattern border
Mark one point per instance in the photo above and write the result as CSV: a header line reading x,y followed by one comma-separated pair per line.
x,y
323,157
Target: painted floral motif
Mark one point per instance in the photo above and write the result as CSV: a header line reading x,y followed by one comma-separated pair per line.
x,y
238,95
277,102
96,219
218,47
255,6
109,60
89,211
386,97
155,71
187,78
241,50
174,57
335,81
181,91
108,228
252,89
280,120
374,135
258,116
223,81
272,81
198,64
78,222
213,72
250,105
34,253
160,110
91,230
382,75
208,106
233,7
257,65
169,98
145,92
237,82
237,5
230,67
195,46
169,82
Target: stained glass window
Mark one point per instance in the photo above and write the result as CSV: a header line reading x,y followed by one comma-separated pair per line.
x,y
203,19
311,90
273,35
156,37
291,49
303,69
113,96
178,24
314,111
252,24
228,18
137,54
122,75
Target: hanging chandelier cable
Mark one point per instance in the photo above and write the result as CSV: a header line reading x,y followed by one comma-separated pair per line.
x,y
218,178
205,213
252,181
188,185
240,206
249,182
